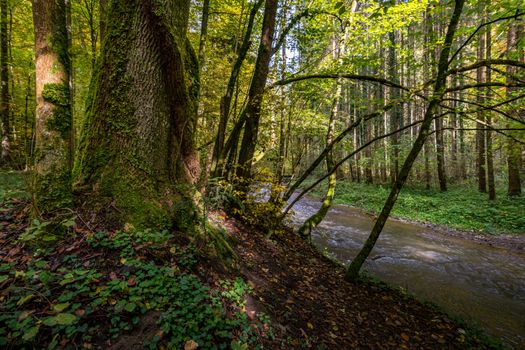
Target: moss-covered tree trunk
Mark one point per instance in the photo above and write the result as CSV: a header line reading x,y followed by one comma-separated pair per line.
x,y
305,230
136,151
53,151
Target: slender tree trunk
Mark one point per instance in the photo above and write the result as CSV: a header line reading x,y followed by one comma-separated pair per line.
x,y
4,80
136,151
53,148
397,113
305,230
480,132
437,95
488,134
440,155
255,95
513,148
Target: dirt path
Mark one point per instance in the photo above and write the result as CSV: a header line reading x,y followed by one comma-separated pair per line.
x,y
311,305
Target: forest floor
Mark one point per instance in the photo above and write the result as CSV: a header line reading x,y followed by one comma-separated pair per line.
x,y
131,290
461,208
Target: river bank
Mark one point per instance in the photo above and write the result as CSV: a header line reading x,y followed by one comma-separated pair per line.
x,y
459,210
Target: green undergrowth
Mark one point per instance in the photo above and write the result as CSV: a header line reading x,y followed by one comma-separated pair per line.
x,y
461,207
91,290
13,184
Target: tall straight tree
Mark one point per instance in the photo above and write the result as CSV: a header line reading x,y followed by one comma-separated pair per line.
x,y
4,80
136,152
53,149
513,148
255,95
480,125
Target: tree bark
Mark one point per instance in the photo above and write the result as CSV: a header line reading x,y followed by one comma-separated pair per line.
x,y
4,80
439,89
53,149
136,150
255,95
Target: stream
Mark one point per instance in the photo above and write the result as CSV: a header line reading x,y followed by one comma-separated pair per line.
x,y
480,283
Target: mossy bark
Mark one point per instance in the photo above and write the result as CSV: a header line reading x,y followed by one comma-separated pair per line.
x,y
305,230
136,149
53,150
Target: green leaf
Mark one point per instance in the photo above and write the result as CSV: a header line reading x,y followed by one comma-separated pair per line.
x,y
342,10
65,319
30,333
3,278
60,319
25,299
338,4
130,307
60,307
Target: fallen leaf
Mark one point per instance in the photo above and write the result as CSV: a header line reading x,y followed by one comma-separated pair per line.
x,y
405,336
191,345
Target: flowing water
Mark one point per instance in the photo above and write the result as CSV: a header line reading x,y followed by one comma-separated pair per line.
x,y
479,282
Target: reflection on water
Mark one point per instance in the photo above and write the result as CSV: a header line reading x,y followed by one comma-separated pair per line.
x,y
478,282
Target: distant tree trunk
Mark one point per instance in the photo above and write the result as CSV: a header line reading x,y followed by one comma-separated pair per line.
x,y
437,94
488,134
440,155
480,133
397,113
513,148
53,149
136,150
4,80
255,95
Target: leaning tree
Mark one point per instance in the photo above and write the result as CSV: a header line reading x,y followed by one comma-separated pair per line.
x,y
136,152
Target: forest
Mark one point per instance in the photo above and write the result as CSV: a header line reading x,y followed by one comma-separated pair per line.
x,y
262,174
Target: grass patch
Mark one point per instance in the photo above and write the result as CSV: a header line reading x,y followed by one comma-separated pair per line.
x,y
461,207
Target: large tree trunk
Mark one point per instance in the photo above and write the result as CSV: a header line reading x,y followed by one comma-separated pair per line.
x,y
255,95
4,80
137,145
53,149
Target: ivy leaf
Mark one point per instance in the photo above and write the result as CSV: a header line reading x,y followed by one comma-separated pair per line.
x,y
65,319
60,307
60,319
25,299
342,10
31,333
